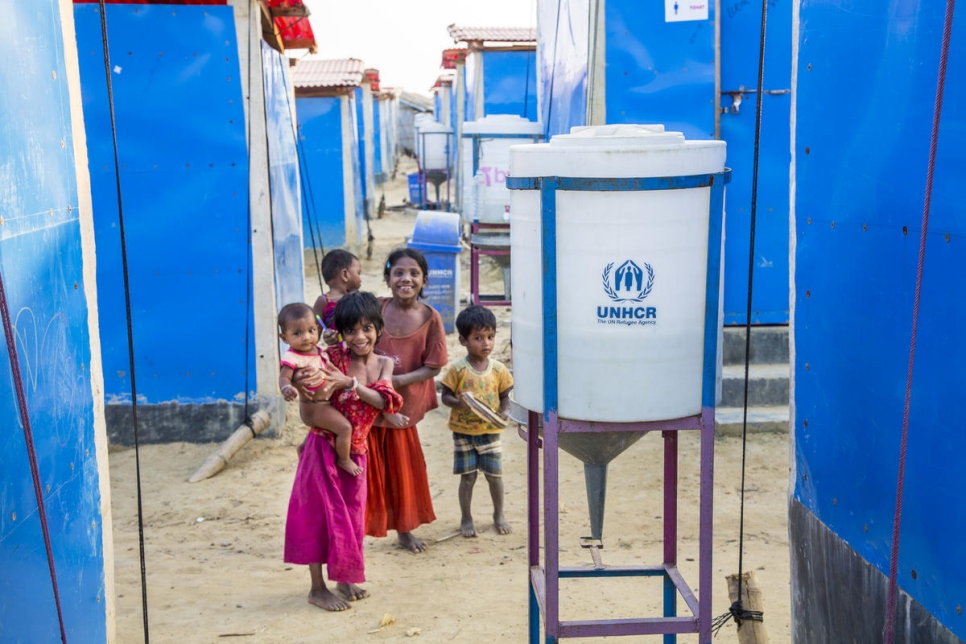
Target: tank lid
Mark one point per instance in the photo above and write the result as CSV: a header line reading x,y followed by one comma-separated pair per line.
x,y
433,126
618,136
502,124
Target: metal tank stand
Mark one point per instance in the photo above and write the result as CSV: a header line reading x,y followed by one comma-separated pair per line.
x,y
544,586
492,239
436,177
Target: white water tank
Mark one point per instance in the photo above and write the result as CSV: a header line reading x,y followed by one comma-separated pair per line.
x,y
435,146
631,275
485,197
418,120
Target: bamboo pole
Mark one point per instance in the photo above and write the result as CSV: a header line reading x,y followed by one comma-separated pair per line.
x,y
239,438
749,632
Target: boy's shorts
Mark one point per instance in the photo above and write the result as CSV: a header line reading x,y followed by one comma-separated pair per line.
x,y
482,452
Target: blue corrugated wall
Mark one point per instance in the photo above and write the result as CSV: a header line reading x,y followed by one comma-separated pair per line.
x,y
361,138
358,163
283,179
377,142
42,267
184,177
562,64
320,128
510,83
866,85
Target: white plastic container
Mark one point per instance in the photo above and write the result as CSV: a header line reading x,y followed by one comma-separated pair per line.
x,y
485,196
631,275
435,141
419,120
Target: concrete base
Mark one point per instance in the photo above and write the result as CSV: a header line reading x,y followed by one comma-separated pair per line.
x,y
837,596
171,422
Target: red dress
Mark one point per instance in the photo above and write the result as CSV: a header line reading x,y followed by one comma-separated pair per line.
x,y
399,497
327,508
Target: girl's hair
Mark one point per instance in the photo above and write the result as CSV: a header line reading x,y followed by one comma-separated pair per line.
x,y
413,254
292,312
355,307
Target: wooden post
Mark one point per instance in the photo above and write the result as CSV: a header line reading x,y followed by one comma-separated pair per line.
x,y
239,438
749,632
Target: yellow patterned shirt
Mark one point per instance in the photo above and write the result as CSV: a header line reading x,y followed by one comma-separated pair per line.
x,y
486,386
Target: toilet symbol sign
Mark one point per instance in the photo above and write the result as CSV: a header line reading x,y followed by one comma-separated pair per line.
x,y
682,10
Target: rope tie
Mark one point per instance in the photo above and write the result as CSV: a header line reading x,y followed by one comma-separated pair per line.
x,y
737,611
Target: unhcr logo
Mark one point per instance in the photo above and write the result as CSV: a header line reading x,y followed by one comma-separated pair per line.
x,y
627,284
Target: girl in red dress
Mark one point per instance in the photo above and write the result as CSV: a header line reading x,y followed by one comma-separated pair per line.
x,y
414,338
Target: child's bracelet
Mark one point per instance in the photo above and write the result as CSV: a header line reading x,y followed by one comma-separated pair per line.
x,y
355,383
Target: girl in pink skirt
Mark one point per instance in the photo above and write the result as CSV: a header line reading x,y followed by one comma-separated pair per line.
x,y
327,509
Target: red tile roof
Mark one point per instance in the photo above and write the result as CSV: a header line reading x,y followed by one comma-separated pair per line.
x,y
492,34
342,72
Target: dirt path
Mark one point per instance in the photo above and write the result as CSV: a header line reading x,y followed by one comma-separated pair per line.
x,y
213,549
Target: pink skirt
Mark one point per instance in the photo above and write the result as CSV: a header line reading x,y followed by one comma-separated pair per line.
x,y
326,513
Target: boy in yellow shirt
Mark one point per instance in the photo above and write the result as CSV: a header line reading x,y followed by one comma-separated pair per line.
x,y
476,441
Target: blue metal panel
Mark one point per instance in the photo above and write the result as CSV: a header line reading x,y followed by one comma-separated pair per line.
x,y
861,146
184,176
377,141
740,37
42,268
357,163
510,83
438,108
284,179
562,59
320,126
657,71
361,138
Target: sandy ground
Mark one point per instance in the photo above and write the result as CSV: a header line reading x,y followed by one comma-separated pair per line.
x,y
214,549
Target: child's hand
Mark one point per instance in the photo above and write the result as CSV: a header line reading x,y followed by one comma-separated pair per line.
x,y
398,421
290,393
330,336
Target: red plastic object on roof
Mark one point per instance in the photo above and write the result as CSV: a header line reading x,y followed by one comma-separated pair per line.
x,y
296,33
452,56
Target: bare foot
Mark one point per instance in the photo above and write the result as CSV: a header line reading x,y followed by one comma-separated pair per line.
x,y
325,599
411,543
501,525
351,591
467,528
349,466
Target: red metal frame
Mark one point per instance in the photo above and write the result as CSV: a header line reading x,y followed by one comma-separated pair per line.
x,y
475,296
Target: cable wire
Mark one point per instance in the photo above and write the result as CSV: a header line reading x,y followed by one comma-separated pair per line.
x,y
130,323
736,610
933,143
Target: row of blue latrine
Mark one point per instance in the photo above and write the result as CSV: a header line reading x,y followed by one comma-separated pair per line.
x,y
348,142
631,62
843,165
385,140
329,101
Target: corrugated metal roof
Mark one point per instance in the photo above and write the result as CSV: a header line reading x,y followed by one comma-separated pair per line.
x,y
341,72
417,101
492,34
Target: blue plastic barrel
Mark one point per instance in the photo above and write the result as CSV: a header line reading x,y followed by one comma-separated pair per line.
x,y
415,190
437,236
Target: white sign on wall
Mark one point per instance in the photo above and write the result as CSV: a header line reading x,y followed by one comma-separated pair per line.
x,y
681,10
